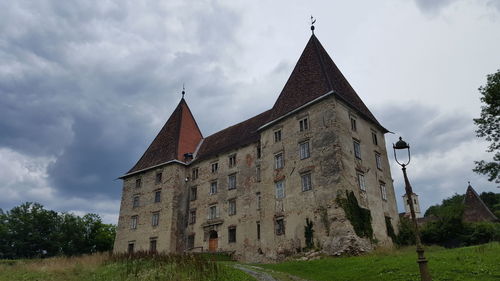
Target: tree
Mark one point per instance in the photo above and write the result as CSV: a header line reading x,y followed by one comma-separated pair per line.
x,y
489,126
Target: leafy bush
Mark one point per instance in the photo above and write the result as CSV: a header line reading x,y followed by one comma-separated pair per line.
x,y
360,218
406,235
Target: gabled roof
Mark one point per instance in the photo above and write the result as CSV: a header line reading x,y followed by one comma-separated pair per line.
x,y
236,136
179,135
474,208
314,75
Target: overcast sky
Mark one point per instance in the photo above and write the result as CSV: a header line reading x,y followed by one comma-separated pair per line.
x,y
86,85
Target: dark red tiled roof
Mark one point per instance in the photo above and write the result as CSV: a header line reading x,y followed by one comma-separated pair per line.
x,y
314,75
236,136
179,135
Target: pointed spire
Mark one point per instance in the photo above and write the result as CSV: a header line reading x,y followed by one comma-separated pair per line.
x,y
474,208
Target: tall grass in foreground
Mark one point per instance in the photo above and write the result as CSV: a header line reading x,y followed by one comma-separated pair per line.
x,y
140,266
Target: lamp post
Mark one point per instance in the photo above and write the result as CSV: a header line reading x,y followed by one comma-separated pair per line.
x,y
421,260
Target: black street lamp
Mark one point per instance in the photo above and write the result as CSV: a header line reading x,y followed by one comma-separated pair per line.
x,y
421,260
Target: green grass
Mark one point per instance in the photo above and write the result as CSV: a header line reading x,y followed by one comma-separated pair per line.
x,y
468,263
101,267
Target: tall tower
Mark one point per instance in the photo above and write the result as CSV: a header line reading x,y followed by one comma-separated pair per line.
x,y
416,205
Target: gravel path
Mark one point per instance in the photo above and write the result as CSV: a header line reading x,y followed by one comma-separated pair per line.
x,y
259,275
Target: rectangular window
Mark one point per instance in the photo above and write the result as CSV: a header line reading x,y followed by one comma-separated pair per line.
x,y
304,150
258,230
383,191
304,124
357,149
374,138
135,202
157,196
232,207
257,172
152,245
193,193
155,219
258,200
306,182
259,151
194,173
192,216
133,222
277,136
232,160
231,234
213,187
231,181
378,160
278,161
212,212
158,178
280,190
361,181
130,248
138,183
190,241
280,226
353,124
215,167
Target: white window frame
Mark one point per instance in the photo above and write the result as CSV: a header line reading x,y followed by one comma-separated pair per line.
x,y
215,167
231,181
306,181
231,209
277,135
280,189
279,160
383,191
155,219
378,160
213,187
213,212
157,198
232,160
192,216
304,124
304,150
361,181
134,220
357,149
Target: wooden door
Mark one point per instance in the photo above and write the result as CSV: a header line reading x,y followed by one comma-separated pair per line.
x,y
212,244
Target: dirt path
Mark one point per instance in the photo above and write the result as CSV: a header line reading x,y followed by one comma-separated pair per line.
x,y
261,275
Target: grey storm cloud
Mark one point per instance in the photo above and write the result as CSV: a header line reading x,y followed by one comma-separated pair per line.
x,y
434,7
90,83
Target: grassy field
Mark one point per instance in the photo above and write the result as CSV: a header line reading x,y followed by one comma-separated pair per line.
x,y
102,267
469,263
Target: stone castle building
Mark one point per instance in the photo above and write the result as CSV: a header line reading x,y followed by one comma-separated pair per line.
x,y
249,188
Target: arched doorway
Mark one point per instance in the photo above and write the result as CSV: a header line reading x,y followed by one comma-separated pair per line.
x,y
212,241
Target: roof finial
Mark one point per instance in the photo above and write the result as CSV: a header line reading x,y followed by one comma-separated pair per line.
x,y
469,183
183,90
313,20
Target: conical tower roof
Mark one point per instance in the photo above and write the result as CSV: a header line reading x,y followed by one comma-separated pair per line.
x,y
179,135
314,76
474,208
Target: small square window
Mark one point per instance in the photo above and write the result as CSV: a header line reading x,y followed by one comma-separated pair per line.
x,y
361,181
158,178
138,183
280,226
231,181
306,182
193,193
194,173
232,160
277,136
383,191
353,124
133,222
357,149
304,150
192,216
279,161
231,231
304,125
374,138
280,189
157,196
135,202
378,161
152,245
213,212
215,167
155,219
232,207
213,187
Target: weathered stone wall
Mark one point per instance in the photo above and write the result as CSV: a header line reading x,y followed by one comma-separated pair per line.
x,y
165,233
331,164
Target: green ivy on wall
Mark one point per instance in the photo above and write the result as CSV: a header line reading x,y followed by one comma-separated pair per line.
x,y
360,218
390,229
